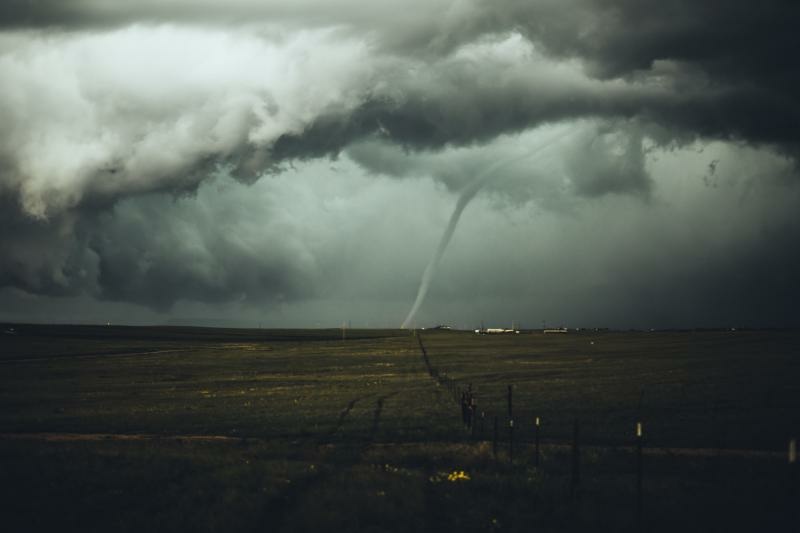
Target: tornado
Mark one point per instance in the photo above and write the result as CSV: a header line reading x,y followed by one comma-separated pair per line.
x,y
464,198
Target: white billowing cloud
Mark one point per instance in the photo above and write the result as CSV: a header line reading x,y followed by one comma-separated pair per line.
x,y
147,108
132,109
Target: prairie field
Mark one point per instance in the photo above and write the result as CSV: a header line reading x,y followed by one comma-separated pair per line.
x,y
108,428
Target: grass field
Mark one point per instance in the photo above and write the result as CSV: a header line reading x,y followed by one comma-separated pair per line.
x,y
190,429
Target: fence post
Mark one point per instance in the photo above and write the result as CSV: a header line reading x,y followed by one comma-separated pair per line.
x,y
511,440
576,459
510,427
494,439
473,421
536,427
639,472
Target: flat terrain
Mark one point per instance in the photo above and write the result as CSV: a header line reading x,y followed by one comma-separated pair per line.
x,y
169,429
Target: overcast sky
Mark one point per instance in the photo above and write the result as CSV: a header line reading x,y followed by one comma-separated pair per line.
x,y
620,163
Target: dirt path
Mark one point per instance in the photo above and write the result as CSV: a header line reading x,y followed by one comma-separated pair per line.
x,y
343,414
376,415
290,502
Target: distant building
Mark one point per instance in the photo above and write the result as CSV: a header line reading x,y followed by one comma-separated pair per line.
x,y
555,330
494,331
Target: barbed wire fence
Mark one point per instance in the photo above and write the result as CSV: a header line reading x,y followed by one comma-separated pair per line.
x,y
474,422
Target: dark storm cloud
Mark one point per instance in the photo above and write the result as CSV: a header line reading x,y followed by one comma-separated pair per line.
x,y
732,38
710,69
731,63
154,252
157,249
289,238
106,105
43,257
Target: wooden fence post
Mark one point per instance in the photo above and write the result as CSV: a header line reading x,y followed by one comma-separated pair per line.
x,y
510,427
472,420
511,440
494,440
639,473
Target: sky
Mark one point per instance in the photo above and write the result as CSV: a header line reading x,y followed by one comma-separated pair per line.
x,y
313,163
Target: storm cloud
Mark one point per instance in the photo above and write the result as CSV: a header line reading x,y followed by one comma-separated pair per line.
x,y
120,122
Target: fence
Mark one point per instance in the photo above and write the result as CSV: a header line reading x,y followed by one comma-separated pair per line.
x,y
474,421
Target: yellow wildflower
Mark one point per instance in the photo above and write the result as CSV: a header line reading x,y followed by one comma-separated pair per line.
x,y
458,475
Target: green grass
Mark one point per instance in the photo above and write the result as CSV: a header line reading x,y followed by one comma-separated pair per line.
x,y
354,435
